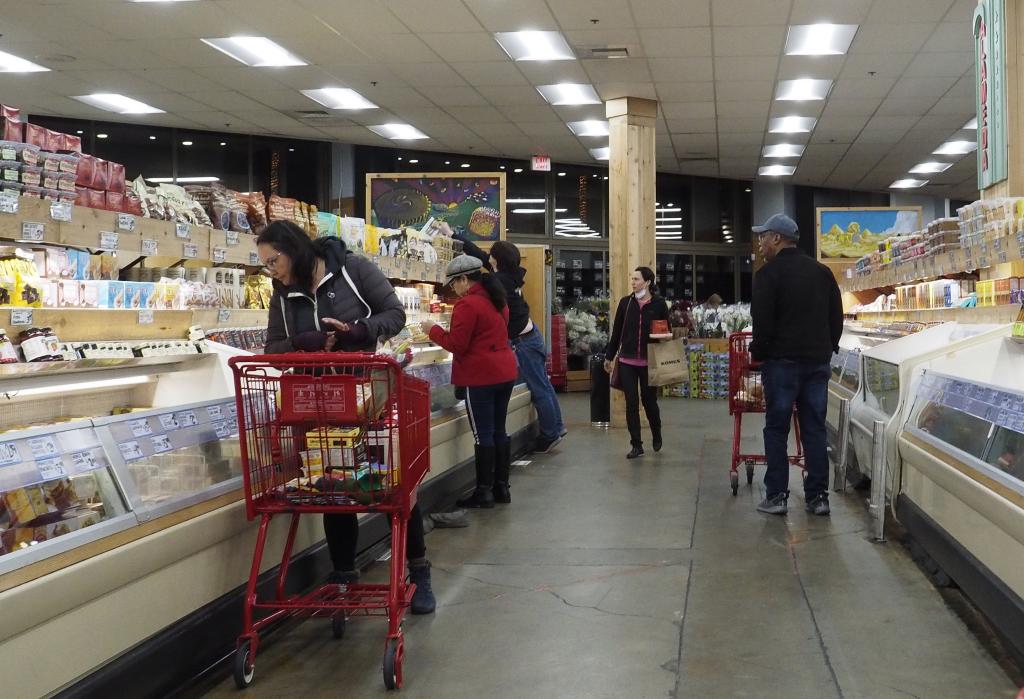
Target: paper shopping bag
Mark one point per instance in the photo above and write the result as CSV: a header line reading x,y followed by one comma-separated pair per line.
x,y
666,363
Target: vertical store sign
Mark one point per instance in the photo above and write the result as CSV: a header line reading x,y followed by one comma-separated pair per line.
x,y
990,76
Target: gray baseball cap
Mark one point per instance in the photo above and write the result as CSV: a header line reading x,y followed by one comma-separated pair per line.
x,y
781,224
463,264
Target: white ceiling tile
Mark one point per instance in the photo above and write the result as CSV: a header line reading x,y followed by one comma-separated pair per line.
x,y
424,116
394,48
753,109
908,11
795,67
879,138
573,14
890,37
862,88
391,97
681,69
478,115
247,18
831,121
676,42
496,73
617,70
509,17
610,91
851,107
695,142
740,124
946,123
829,11
684,92
429,75
749,41
550,73
671,13
601,36
429,16
875,65
895,106
284,100
805,109
374,116
509,95
743,90
940,64
688,110
692,126
890,123
744,12
951,106
730,68
530,113
446,97
357,134
344,17
751,138
225,101
465,46
837,135
951,36
304,77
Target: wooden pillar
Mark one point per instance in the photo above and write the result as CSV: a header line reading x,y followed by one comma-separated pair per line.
x,y
631,194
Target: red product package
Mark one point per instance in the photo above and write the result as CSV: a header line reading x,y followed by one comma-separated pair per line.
x,y
100,174
81,196
72,143
12,113
54,140
97,199
115,177
86,168
13,130
36,135
115,201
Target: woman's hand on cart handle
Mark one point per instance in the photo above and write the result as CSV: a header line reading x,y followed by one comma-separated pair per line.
x,y
608,365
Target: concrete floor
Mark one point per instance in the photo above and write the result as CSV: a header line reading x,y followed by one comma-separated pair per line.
x,y
608,578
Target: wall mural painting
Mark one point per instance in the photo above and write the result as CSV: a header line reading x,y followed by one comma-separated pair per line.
x,y
472,203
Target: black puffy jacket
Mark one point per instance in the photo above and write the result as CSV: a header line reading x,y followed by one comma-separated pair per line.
x,y
518,309
353,290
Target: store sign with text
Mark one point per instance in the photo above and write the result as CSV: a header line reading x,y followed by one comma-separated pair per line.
x,y
990,75
540,163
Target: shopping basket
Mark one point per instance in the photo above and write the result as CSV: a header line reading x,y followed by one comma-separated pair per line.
x,y
746,395
329,434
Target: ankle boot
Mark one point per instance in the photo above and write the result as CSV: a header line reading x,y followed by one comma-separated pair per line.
x,y
656,437
423,601
482,497
502,465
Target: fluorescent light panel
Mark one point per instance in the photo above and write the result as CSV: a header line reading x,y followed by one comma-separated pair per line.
x,y
119,104
255,51
9,63
776,170
601,153
820,39
569,94
802,90
339,98
792,124
590,127
398,132
783,150
972,125
930,167
535,46
956,148
908,184
525,201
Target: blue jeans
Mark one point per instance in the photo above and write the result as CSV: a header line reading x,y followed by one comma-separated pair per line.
x,y
532,354
487,408
806,385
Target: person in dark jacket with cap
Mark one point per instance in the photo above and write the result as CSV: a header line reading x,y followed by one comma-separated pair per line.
x,y
797,312
527,342
327,298
483,364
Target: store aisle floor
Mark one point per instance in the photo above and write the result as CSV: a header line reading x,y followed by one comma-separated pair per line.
x,y
608,578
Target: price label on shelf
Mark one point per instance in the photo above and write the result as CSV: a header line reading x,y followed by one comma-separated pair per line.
x,y
9,202
21,317
130,450
140,428
997,244
9,454
1003,258
161,443
60,211
215,412
190,251
52,468
109,240
42,447
223,315
222,429
254,258
231,237
149,247
186,418
219,255
168,422
32,231
83,462
146,316
126,223
183,230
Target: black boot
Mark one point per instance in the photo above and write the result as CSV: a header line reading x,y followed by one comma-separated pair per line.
x,y
656,437
423,601
636,452
502,465
482,497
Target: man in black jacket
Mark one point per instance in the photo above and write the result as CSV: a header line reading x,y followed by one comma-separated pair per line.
x,y
798,319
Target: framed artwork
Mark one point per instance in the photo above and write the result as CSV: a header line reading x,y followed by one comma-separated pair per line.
x,y
470,202
847,234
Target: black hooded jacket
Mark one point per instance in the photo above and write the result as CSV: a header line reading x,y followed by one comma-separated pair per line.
x,y
353,290
518,309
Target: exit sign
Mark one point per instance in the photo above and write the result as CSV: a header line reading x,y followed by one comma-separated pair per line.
x,y
540,163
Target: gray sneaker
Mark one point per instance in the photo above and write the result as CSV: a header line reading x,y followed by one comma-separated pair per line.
x,y
774,505
818,505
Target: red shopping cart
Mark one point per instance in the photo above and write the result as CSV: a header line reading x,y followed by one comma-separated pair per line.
x,y
329,434
746,395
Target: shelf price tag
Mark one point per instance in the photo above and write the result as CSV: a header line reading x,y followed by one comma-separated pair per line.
x,y
149,247
223,315
146,316
21,317
231,237
182,230
130,450
60,211
1003,258
161,443
219,255
51,468
9,202
254,259
126,222
32,231
190,251
108,240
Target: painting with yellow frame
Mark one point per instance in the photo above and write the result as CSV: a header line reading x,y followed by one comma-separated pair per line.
x,y
847,234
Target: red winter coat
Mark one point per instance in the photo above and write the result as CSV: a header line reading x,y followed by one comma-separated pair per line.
x,y
478,341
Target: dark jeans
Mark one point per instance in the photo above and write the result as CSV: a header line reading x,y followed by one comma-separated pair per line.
x,y
637,390
487,408
806,385
532,354
342,532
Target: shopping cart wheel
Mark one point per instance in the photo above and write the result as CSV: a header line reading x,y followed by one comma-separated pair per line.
x,y
245,665
734,480
750,472
394,650
338,623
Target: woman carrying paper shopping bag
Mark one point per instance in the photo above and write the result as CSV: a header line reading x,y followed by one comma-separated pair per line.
x,y
627,347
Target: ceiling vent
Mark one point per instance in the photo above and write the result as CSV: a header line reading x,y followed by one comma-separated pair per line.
x,y
319,117
602,51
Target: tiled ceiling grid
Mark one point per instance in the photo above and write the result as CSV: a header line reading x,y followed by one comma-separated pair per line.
x,y
712,64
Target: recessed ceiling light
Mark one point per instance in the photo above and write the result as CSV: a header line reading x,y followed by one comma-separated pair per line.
x,y
971,125
398,132
605,177
10,63
783,150
291,150
747,190
501,167
930,167
113,102
535,46
101,135
561,174
186,143
518,170
184,180
464,165
447,162
792,124
568,94
590,127
79,132
908,184
601,153
255,51
223,143
152,138
820,39
776,170
339,98
803,90
956,148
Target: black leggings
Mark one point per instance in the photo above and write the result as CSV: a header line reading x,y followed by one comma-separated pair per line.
x,y
637,390
342,533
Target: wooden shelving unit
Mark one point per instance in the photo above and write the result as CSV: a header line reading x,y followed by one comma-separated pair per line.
x,y
991,314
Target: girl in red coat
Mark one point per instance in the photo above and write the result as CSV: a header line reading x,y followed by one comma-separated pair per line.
x,y
484,364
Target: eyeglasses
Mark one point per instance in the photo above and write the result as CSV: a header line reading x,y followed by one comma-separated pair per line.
x,y
272,262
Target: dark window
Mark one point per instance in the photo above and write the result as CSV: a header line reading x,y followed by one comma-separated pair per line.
x,y
210,155
581,197
580,274
672,211
526,200
746,278
675,277
715,275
